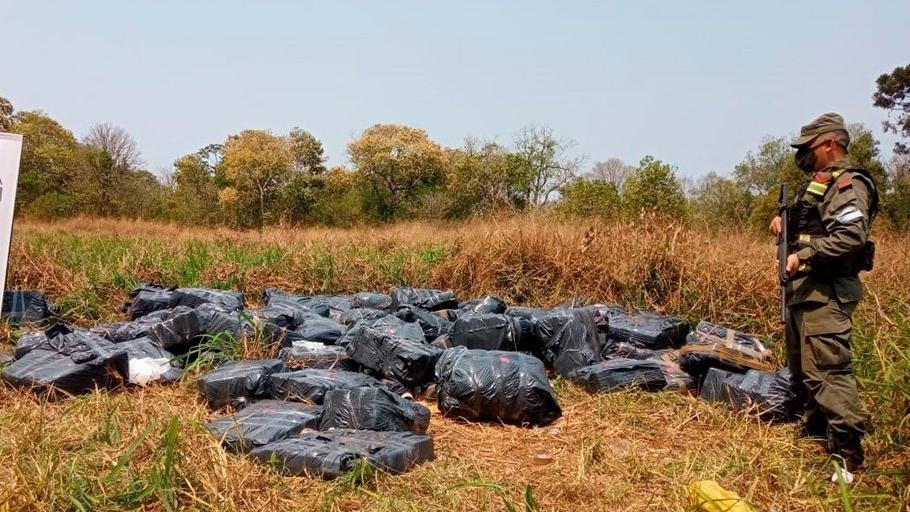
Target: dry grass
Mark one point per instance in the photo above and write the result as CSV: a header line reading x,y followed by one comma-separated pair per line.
x,y
621,451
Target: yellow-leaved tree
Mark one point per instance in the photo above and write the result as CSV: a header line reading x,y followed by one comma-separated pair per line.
x,y
256,163
396,163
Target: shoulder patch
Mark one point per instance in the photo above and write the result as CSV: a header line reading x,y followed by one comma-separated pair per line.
x,y
844,182
822,177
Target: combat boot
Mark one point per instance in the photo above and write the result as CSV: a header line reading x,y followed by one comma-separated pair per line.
x,y
849,448
814,428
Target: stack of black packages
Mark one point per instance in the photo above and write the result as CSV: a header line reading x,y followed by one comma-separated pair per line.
x,y
360,417
154,297
339,390
606,348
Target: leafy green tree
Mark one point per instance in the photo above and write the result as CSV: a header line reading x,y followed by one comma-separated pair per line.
x,y
863,152
483,177
299,195
146,195
653,187
893,95
340,202
763,171
396,163
544,164
307,154
761,174
896,200
111,175
584,197
257,164
195,194
49,165
100,186
720,201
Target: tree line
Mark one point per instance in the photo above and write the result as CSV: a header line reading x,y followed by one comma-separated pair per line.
x,y
256,177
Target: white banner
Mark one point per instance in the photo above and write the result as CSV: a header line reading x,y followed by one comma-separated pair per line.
x,y
10,151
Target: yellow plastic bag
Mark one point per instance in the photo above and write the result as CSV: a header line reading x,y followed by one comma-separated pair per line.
x,y
709,496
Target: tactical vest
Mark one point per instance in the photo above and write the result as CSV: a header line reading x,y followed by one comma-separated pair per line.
x,y
807,224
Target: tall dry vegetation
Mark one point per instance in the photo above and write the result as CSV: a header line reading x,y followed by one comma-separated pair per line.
x,y
620,451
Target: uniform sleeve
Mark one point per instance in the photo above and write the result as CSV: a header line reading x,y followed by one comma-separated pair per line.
x,y
846,218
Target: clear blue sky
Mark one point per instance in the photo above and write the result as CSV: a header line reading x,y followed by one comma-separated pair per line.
x,y
695,83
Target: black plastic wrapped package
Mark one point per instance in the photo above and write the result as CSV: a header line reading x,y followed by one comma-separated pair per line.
x,y
146,352
646,329
528,313
389,324
311,384
622,349
407,361
69,362
310,354
620,373
349,318
428,299
328,306
713,346
314,327
765,393
490,304
236,380
571,339
433,325
28,341
189,326
373,408
372,300
126,331
153,297
677,378
491,331
337,452
25,307
495,385
283,312
264,422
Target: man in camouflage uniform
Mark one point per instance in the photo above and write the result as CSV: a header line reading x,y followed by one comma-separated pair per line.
x,y
829,231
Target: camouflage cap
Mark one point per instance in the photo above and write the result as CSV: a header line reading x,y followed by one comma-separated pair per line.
x,y
824,123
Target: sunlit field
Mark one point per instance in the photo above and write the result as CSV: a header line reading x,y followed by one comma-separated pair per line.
x,y
145,448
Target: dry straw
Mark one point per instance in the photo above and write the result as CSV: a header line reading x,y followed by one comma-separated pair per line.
x,y
145,448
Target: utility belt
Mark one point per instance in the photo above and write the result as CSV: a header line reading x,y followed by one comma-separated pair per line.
x,y
846,266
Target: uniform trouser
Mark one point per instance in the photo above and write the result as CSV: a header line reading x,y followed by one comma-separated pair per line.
x,y
821,364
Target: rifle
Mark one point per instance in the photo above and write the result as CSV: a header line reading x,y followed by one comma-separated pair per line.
x,y
783,239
